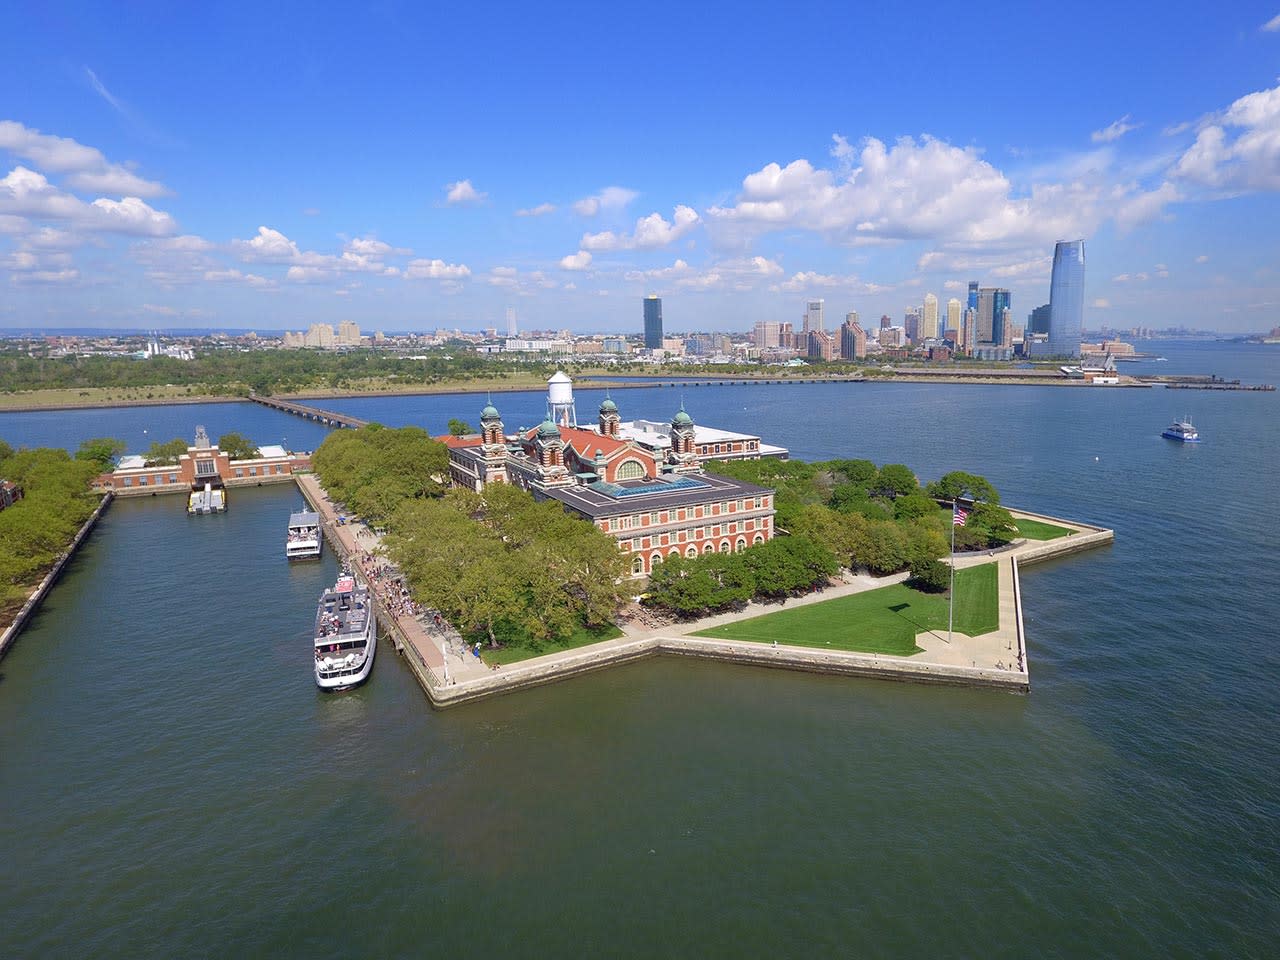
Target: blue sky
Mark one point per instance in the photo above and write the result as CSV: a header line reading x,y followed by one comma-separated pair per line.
x,y
409,167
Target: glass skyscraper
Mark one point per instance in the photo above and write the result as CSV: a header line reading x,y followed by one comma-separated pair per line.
x,y
652,322
1066,299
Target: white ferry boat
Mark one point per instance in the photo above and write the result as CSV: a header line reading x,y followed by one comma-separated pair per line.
x,y
207,499
305,540
1182,430
345,636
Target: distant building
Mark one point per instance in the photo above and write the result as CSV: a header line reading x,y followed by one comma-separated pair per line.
x,y
953,317
348,334
821,346
10,493
851,316
511,322
1038,320
653,322
893,337
885,321
973,294
615,345
765,335
202,463
911,324
929,318
1066,299
853,340
673,346
813,316
993,307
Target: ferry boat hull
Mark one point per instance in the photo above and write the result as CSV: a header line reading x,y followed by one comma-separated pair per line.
x,y
345,637
1183,431
1170,435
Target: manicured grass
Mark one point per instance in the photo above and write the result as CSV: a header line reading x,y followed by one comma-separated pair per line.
x,y
1038,530
878,621
513,652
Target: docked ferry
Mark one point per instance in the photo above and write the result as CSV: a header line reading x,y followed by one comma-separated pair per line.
x,y
304,540
1182,430
345,635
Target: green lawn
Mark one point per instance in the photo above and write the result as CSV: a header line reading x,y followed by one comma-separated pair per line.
x,y
878,621
514,651
1037,530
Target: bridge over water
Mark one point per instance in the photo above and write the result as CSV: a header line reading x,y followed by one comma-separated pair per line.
x,y
328,417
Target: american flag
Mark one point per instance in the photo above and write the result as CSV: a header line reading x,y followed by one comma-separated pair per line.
x,y
959,516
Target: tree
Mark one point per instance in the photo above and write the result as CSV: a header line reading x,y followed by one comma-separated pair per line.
x,y
895,480
914,506
101,451
958,483
459,428
929,575
238,447
6,451
160,454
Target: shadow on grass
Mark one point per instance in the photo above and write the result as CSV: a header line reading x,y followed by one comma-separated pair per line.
x,y
920,627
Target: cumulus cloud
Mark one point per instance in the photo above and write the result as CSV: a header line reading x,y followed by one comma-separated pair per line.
x,y
541,210
462,192
1114,131
423,269
1272,25
233,275
27,193
650,232
1134,207
576,261
359,255
1239,150
86,167
610,198
1203,258
131,215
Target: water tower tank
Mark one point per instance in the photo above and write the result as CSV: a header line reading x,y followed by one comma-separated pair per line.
x,y
560,389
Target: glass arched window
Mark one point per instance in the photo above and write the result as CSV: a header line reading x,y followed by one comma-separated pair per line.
x,y
630,470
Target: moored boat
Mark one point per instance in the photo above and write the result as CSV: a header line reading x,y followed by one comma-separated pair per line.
x,y
304,539
1182,430
345,635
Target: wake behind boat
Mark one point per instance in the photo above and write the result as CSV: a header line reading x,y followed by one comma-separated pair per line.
x,y
345,636
304,539
1182,430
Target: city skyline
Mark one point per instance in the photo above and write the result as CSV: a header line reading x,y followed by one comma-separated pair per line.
x,y
189,175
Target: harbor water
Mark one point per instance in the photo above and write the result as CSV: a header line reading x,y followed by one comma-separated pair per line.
x,y
173,784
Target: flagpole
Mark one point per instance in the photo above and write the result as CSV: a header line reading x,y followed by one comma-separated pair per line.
x,y
951,606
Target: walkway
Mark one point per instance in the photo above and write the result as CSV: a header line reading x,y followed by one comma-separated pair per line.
x,y
328,417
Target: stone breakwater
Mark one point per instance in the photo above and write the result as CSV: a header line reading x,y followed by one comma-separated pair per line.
x,y
37,596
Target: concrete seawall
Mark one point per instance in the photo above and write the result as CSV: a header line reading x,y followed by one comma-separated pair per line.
x,y
37,596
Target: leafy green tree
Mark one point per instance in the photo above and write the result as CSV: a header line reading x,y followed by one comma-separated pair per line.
x,y
858,472
959,483
6,451
895,480
101,450
880,546
460,428
237,447
929,575
160,454
914,506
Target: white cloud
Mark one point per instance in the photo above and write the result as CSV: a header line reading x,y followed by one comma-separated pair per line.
x,y
462,192
541,210
610,198
307,274
89,170
650,232
436,270
1272,25
1238,151
233,275
160,309
1134,207
27,193
131,215
1114,131
503,277
576,261
1203,258
1162,270
955,285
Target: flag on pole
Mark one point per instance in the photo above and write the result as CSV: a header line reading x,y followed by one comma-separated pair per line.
x,y
959,516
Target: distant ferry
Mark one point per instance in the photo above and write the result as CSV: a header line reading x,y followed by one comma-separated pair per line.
x,y
207,499
1182,430
345,636
304,540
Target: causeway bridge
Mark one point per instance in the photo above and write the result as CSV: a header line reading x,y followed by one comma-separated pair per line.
x,y
328,417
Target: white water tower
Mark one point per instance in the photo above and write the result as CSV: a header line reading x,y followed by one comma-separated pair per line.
x,y
560,400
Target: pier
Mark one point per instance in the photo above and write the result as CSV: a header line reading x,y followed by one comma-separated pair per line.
x,y
328,417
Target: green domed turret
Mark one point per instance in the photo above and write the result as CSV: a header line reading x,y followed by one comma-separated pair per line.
x,y
682,419
548,429
490,412
608,406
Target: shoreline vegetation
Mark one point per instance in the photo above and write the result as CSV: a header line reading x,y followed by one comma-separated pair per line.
x,y
30,383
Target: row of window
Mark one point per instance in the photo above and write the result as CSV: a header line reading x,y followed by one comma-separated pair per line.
x,y
156,479
706,448
641,564
683,513
697,533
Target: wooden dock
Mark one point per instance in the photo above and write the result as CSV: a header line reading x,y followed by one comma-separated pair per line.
x,y
328,417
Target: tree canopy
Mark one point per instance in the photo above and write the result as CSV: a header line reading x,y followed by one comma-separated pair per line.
x,y
373,469
161,454
100,450
237,446
459,428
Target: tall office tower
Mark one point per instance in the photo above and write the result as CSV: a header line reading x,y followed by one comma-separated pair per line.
x,y
765,335
511,322
953,316
986,309
911,323
1066,299
968,331
973,294
1006,328
885,322
813,316
786,336
1000,313
822,345
652,322
851,316
1038,320
853,339
929,319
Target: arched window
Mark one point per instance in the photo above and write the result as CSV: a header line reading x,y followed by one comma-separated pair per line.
x,y
654,561
692,551
758,538
673,552
740,545
629,470
637,565
724,546
708,547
